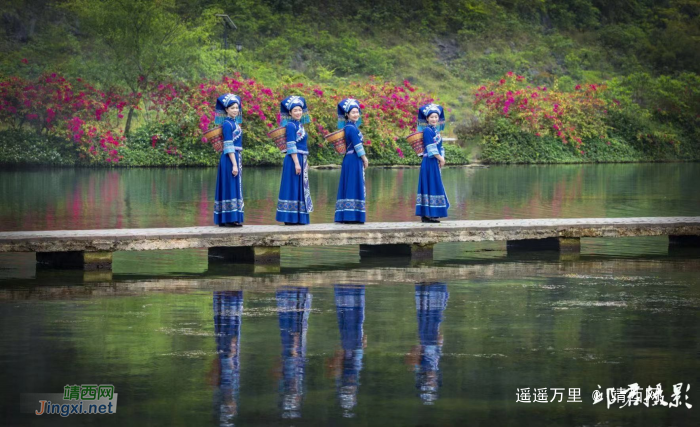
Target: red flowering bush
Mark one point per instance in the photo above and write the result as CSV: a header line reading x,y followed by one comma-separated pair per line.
x,y
569,116
92,119
389,111
74,110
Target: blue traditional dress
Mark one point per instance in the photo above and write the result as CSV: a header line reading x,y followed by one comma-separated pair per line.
x,y
228,308
294,203
431,199
350,204
350,308
228,199
294,306
431,302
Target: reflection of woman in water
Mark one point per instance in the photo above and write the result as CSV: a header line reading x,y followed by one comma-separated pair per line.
x,y
350,308
294,306
431,301
228,307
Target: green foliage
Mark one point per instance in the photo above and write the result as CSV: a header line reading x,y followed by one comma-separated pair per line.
x,y
135,41
648,52
28,148
507,143
638,118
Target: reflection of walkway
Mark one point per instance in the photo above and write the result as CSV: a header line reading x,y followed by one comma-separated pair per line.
x,y
350,308
294,306
66,284
228,308
431,301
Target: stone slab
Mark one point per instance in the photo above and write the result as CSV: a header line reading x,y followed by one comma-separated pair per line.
x,y
373,233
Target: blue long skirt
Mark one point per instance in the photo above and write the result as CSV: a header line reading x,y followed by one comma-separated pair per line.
x,y
294,203
350,205
431,199
228,199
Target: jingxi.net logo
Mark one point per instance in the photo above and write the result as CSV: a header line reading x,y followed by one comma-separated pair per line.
x,y
75,400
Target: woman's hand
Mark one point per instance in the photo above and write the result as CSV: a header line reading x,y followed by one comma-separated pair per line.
x,y
441,161
365,162
235,170
297,168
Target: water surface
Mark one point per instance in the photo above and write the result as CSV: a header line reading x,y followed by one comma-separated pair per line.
x,y
332,339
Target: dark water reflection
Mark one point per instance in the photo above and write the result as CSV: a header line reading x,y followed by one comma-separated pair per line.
x,y
294,307
350,308
420,345
228,309
331,339
386,352
431,302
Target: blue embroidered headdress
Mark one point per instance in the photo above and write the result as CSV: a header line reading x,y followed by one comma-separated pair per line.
x,y
344,107
225,101
425,111
286,109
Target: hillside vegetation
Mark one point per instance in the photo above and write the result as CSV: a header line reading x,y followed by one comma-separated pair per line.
x,y
568,81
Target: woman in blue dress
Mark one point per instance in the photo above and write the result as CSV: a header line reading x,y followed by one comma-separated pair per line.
x,y
228,199
294,203
431,200
350,204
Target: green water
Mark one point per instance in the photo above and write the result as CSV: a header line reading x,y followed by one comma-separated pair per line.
x,y
626,311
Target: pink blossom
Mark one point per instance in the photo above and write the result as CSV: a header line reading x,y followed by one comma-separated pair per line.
x,y
400,153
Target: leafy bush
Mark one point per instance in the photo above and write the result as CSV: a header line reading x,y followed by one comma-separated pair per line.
x,y
542,111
